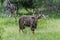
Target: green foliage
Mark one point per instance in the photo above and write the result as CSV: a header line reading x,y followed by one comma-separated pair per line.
x,y
48,29
1,32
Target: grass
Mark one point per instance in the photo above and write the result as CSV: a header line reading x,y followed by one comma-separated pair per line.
x,y
48,29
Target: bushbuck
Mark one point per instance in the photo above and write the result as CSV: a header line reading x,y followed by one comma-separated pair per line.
x,y
29,20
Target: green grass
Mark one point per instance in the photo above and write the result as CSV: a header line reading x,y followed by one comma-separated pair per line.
x,y
48,29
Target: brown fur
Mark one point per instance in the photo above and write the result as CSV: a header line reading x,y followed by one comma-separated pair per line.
x,y
28,20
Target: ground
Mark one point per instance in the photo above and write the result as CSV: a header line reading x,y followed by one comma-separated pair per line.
x,y
48,29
